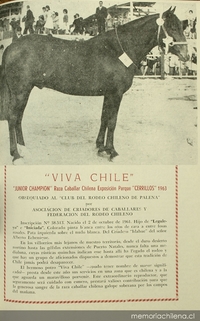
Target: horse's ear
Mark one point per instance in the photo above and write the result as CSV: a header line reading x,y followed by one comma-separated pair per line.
x,y
168,12
172,11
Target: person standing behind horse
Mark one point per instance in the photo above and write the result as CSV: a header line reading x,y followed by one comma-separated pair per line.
x,y
49,21
39,27
191,23
1,53
29,19
65,21
77,25
101,15
43,13
55,19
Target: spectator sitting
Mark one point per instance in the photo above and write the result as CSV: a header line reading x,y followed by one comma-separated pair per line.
x,y
17,34
14,24
15,21
143,66
192,63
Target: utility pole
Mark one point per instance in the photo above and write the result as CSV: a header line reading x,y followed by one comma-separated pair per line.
x,y
131,10
162,63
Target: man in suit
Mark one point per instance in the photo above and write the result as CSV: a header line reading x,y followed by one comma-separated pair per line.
x,y
101,15
29,19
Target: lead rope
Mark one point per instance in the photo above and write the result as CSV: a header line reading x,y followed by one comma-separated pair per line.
x,y
118,39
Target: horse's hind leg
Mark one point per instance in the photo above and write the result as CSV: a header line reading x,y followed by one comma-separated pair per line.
x,y
108,121
18,104
12,135
19,137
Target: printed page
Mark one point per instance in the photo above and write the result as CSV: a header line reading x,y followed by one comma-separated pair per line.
x,y
99,157
87,234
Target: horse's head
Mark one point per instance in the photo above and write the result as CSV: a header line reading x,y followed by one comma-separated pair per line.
x,y
173,33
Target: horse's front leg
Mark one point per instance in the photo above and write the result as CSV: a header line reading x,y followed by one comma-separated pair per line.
x,y
104,121
108,121
19,133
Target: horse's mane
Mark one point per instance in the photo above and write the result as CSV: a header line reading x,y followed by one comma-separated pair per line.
x,y
127,27
137,23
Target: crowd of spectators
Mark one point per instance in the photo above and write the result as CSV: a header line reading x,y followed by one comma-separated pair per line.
x,y
190,26
151,65
49,22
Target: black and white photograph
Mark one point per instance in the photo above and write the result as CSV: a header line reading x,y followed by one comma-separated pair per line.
x,y
98,83
100,179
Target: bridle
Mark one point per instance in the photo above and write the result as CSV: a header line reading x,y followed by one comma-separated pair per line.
x,y
168,41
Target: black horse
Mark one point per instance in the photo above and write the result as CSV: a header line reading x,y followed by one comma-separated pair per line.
x,y
88,68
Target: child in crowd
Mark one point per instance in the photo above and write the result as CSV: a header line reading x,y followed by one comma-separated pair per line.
x,y
39,27
55,19
65,27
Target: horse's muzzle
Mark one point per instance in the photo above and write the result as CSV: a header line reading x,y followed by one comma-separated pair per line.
x,y
184,58
181,50
187,58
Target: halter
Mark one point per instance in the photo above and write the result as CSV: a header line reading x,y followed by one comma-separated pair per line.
x,y
168,41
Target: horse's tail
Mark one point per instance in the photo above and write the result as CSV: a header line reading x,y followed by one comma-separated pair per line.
x,y
4,95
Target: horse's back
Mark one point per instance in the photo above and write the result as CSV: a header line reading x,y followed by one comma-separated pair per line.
x,y
74,67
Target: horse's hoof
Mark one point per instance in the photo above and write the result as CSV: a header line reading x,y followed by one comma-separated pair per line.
x,y
102,153
18,161
113,155
101,149
22,150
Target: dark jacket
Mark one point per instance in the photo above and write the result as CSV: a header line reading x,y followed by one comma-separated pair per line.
x,y
29,18
101,15
78,25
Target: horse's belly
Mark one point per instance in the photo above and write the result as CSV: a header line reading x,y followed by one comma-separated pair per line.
x,y
87,80
82,86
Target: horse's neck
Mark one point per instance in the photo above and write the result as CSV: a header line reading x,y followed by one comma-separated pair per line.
x,y
141,37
